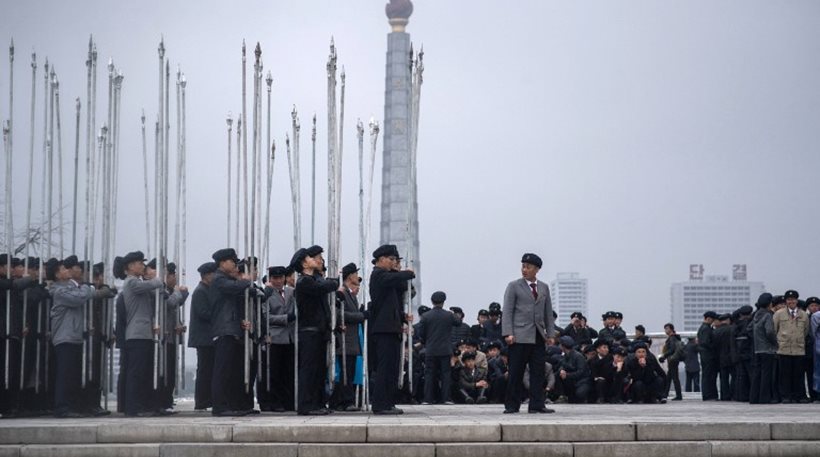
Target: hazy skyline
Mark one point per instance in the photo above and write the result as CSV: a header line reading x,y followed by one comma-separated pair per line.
x,y
623,141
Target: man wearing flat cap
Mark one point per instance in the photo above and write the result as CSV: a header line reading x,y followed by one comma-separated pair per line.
x,y
435,330
348,319
388,285
15,283
709,361
227,297
762,387
791,325
200,337
314,327
528,322
280,339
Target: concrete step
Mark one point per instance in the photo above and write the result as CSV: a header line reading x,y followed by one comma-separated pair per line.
x,y
503,449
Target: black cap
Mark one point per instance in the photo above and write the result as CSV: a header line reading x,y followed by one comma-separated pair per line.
x,y
152,264
791,294
710,314
493,344
136,256
471,342
438,298
99,268
296,260
811,300
618,315
745,310
51,268
314,250
618,350
724,317
778,299
640,328
423,309
207,267
118,269
483,312
33,262
348,270
456,310
277,271
618,334
601,342
494,305
71,261
171,268
495,312
566,341
764,300
468,356
225,254
639,345
532,259
386,250
577,314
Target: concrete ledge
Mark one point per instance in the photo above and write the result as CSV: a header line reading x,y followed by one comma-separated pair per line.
x,y
796,431
676,431
9,451
91,450
541,431
647,448
52,434
300,433
368,450
765,448
505,450
163,433
433,433
230,449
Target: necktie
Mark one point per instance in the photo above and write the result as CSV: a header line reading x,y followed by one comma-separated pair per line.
x,y
534,288
282,293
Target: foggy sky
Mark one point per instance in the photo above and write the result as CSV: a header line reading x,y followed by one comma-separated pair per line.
x,y
620,140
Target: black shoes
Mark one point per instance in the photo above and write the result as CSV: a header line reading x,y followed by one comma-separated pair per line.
x,y
540,411
389,412
510,411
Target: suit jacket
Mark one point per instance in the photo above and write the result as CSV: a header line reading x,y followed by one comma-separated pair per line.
x,y
435,330
278,307
524,316
352,318
200,326
387,289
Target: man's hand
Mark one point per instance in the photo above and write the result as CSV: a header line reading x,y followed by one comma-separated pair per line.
x,y
156,330
481,384
408,317
642,362
182,288
246,325
510,340
25,331
180,329
563,374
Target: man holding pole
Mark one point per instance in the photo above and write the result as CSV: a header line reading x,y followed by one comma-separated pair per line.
x,y
276,390
528,322
201,338
387,288
348,350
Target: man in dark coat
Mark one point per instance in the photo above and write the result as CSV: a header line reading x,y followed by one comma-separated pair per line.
x,y
602,371
462,331
574,380
313,324
577,330
435,332
647,376
709,359
724,343
692,365
227,297
278,361
388,285
743,332
672,353
528,322
348,318
201,336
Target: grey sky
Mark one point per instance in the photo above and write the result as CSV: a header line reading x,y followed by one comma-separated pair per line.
x,y
622,140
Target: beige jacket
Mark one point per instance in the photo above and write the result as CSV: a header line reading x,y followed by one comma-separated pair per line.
x,y
791,332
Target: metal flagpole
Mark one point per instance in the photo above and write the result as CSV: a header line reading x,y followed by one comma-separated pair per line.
x,y
28,235
332,188
293,191
313,183
229,121
9,246
269,151
158,213
360,137
184,215
77,106
56,84
374,137
145,181
162,265
238,177
177,223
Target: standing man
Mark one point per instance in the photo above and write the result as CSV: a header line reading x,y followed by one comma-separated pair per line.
x,y
281,327
388,285
348,318
815,333
313,309
708,357
791,325
227,292
528,322
765,350
672,352
435,331
692,365
139,297
201,336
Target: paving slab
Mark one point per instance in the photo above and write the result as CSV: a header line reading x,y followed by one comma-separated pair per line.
x,y
91,450
9,451
676,431
643,449
228,449
124,432
505,450
765,448
367,450
433,433
49,432
796,430
539,431
300,433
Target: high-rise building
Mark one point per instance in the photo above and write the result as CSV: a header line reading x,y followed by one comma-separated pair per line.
x,y
569,294
718,293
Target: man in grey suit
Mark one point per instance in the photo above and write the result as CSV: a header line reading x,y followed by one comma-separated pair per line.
x,y
280,337
528,322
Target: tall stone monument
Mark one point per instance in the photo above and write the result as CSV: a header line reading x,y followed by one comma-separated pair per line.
x,y
397,187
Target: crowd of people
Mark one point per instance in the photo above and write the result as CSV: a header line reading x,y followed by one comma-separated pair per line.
x,y
295,339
